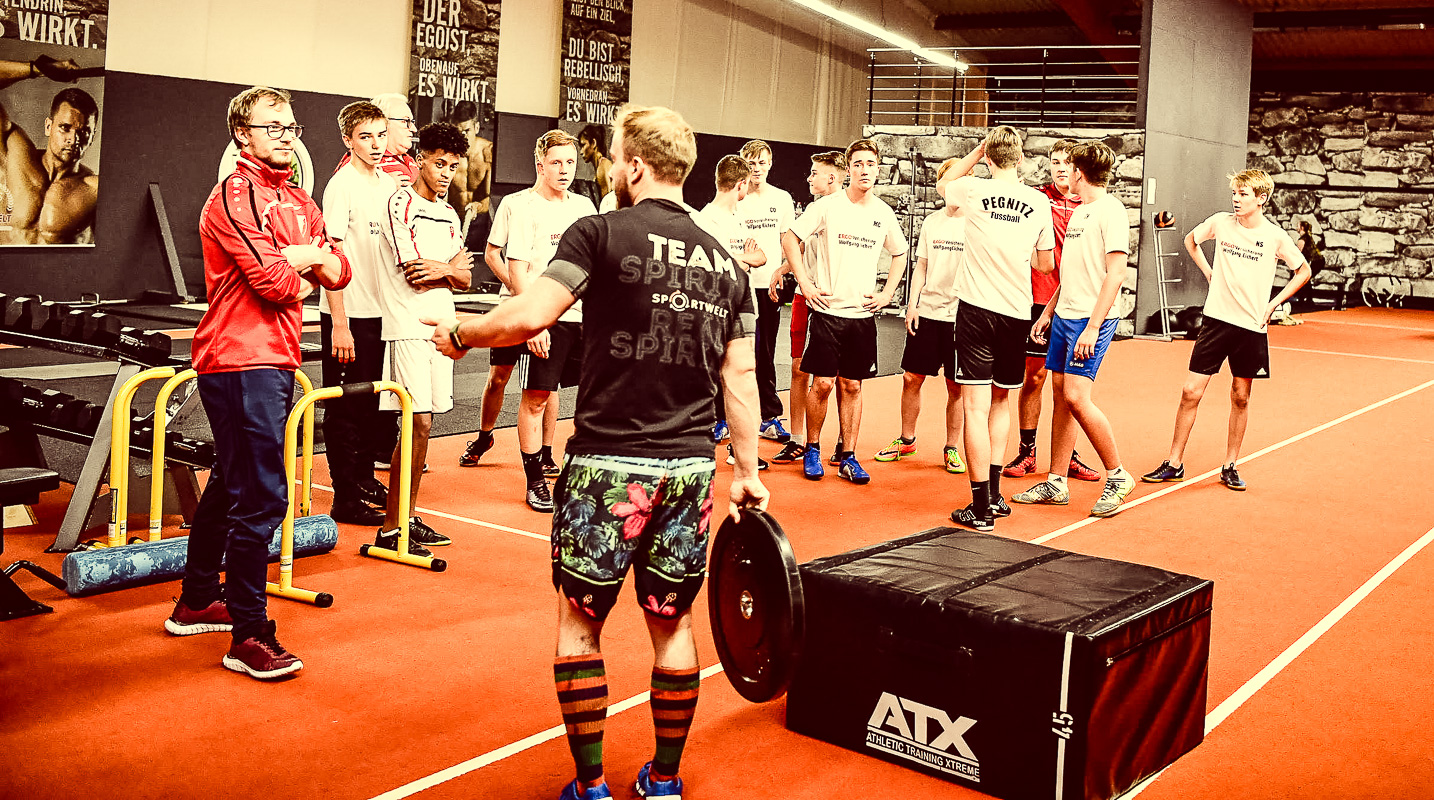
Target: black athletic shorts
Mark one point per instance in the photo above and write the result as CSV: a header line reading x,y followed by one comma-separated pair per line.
x,y
840,347
564,363
1247,350
990,347
506,356
1035,349
931,349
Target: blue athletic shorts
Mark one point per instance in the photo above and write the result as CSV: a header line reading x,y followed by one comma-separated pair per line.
x,y
1062,336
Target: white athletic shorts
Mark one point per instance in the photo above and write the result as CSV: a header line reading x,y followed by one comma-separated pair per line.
x,y
426,373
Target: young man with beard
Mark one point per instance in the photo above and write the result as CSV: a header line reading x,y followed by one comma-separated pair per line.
x,y
1064,202
427,238
265,250
1079,323
767,211
1006,222
554,356
350,322
859,235
643,419
1237,315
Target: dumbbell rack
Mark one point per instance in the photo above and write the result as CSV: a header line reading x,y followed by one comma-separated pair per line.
x,y
133,350
1162,279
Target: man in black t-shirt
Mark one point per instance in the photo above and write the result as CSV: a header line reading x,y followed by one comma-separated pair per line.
x,y
668,322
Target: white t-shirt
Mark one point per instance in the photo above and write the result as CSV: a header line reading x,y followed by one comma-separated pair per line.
x,y
535,228
767,216
729,230
1094,230
356,211
608,203
1005,221
857,240
417,228
498,234
1244,267
943,245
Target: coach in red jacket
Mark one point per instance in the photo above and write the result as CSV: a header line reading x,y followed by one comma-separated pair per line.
x,y
265,250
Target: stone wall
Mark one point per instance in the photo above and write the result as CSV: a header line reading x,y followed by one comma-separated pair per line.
x,y
1357,167
936,144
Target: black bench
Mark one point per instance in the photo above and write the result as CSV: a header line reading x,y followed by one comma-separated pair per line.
x,y
23,486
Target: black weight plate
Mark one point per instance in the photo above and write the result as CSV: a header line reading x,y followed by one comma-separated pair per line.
x,y
756,605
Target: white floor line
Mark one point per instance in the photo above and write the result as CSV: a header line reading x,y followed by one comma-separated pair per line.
x,y
492,756
444,514
1368,325
1352,355
1075,526
1264,676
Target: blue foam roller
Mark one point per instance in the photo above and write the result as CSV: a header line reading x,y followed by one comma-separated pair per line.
x,y
92,571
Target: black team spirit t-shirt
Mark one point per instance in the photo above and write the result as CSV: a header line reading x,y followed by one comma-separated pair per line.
x,y
662,297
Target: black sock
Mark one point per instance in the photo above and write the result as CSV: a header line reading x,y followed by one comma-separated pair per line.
x,y
995,480
905,440
533,467
815,445
486,437
981,497
546,453
1028,438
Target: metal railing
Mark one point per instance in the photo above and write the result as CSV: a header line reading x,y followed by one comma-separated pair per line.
x,y
1082,86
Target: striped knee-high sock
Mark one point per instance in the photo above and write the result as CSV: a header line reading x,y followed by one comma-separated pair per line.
x,y
582,695
674,701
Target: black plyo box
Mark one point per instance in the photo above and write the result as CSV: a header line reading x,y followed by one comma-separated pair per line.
x,y
1017,670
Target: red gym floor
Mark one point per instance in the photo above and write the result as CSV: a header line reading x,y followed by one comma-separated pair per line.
x,y
440,685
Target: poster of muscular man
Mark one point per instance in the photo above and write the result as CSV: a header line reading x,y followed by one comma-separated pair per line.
x,y
52,59
453,78
597,58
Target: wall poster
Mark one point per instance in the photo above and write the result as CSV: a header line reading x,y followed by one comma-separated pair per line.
x,y
594,83
52,66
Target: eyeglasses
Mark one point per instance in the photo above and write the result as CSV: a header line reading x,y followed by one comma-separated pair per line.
x,y
407,121
276,131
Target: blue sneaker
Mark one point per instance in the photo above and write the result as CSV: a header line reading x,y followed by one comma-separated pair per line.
x,y
720,432
599,792
812,464
853,472
646,787
772,429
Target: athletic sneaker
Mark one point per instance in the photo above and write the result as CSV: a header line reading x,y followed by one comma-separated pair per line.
x,y
1044,493
539,498
1022,465
213,618
999,507
476,448
954,464
1112,497
262,656
647,787
968,516
772,429
572,792
388,540
720,432
791,453
812,467
550,467
1164,473
853,472
1080,471
732,459
835,459
1231,478
895,451
418,531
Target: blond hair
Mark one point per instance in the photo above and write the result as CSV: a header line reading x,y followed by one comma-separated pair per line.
x,y
551,139
241,108
1003,147
755,149
355,114
1066,146
661,138
1257,181
835,159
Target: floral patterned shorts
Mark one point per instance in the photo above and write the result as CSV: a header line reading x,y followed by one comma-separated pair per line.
x,y
616,512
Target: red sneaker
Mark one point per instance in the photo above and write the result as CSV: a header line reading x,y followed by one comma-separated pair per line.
x,y
186,621
1022,465
262,656
1080,471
